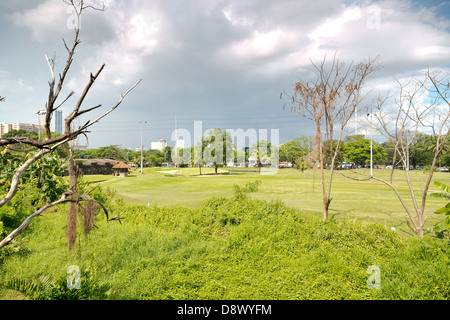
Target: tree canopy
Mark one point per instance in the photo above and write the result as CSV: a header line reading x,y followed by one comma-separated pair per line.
x,y
358,152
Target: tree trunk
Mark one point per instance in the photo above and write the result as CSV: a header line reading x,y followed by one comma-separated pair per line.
x,y
73,206
326,205
326,202
419,231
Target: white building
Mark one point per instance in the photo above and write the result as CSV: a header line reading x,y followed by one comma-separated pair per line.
x,y
179,143
252,161
75,144
160,145
7,127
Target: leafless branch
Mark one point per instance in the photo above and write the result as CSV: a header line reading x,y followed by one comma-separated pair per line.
x,y
401,126
331,100
65,198
25,223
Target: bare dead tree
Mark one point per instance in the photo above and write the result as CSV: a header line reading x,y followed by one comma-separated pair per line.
x,y
422,106
49,144
331,101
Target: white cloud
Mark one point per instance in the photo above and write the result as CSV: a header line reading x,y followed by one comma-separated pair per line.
x,y
262,43
39,22
334,27
235,20
141,31
10,84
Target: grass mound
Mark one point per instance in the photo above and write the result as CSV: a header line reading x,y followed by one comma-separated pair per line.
x,y
230,248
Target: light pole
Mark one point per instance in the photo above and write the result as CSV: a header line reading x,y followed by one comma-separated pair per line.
x,y
39,113
142,146
371,144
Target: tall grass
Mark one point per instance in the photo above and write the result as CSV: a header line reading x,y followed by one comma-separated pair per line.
x,y
233,248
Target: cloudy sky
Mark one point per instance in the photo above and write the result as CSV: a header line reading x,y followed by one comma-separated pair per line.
x,y
222,62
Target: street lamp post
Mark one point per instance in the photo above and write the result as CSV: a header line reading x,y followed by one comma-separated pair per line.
x,y
142,146
39,113
371,144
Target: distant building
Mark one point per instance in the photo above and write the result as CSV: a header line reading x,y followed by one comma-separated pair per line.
x,y
160,145
56,124
7,127
252,161
179,144
75,144
27,127
96,166
121,169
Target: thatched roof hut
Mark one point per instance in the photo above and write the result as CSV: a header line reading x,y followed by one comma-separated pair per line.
x,y
121,169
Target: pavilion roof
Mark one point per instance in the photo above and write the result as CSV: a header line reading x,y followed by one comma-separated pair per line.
x,y
121,165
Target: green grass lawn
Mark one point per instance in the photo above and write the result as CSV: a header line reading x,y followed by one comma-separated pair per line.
x,y
367,200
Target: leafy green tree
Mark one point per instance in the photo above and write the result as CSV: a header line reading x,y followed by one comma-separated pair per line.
x,y
390,149
46,179
330,152
113,152
421,151
42,183
354,137
261,150
8,165
20,133
168,154
294,150
358,152
23,149
240,155
154,158
218,148
197,154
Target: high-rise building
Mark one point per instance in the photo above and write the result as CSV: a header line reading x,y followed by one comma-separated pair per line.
x,y
56,125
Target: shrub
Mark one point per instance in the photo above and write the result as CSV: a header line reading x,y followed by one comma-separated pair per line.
x,y
45,288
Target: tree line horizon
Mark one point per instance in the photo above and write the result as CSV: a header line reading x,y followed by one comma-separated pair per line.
x,y
355,150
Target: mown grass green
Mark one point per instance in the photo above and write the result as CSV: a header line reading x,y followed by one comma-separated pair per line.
x,y
366,200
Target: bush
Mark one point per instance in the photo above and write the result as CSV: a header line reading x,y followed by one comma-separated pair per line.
x,y
44,288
